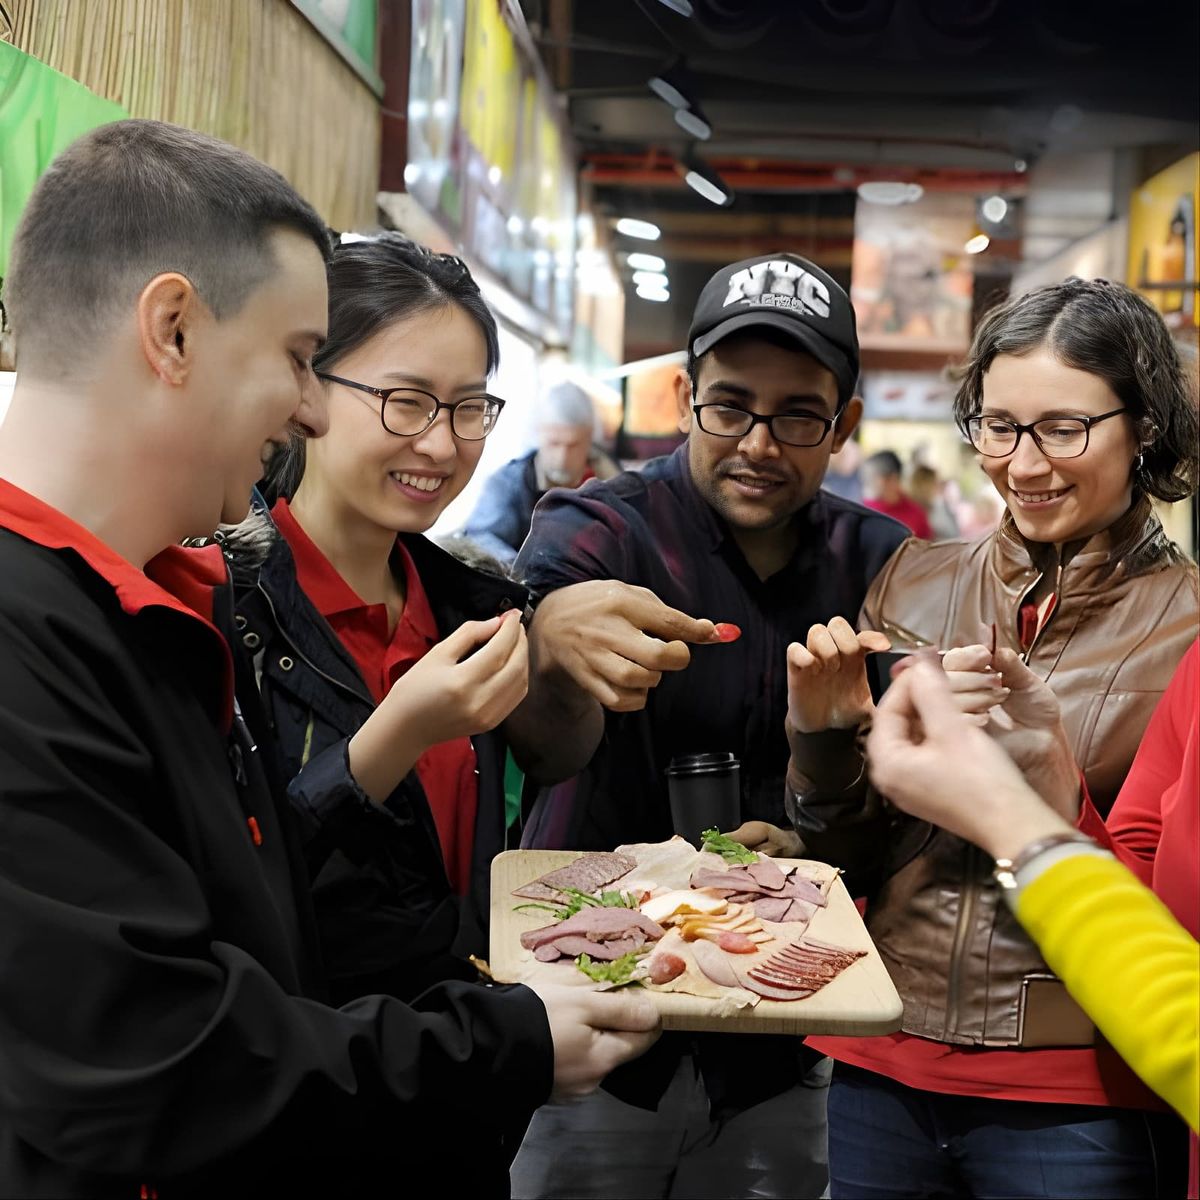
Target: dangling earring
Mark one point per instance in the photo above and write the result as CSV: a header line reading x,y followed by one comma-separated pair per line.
x,y
1138,462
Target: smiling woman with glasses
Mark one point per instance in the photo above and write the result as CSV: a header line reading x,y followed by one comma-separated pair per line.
x,y
407,412
386,665
1077,404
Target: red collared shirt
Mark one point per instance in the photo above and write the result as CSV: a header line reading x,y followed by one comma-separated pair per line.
x,y
447,770
178,578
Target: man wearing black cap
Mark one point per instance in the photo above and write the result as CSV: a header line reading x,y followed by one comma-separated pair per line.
x,y
629,671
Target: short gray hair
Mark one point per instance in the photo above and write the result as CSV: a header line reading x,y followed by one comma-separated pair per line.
x,y
566,404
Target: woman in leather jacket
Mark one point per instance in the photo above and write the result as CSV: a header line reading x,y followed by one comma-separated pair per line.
x,y
385,664
1077,404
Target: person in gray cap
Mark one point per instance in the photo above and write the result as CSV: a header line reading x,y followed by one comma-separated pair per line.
x,y
629,669
565,456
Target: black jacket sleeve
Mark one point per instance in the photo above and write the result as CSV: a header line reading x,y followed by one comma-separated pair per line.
x,y
134,1039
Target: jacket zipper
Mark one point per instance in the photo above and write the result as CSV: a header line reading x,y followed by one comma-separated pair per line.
x,y
1058,571
962,930
345,687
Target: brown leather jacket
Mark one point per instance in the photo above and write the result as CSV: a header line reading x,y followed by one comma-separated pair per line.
x,y
959,959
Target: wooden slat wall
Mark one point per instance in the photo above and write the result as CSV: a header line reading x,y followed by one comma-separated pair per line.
x,y
253,72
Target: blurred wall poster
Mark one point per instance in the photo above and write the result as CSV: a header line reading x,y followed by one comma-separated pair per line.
x,y
1164,262
489,154
651,407
911,279
907,396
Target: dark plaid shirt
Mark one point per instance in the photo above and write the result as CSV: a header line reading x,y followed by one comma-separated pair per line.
x,y
653,529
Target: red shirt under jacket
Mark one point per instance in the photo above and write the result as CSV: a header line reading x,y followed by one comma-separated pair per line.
x,y
447,770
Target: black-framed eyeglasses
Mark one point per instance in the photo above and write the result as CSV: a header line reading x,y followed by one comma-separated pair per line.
x,y
407,411
723,420
1055,437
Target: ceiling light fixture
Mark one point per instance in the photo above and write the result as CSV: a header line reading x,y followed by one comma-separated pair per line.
x,y
693,121
658,295
889,191
978,244
994,209
650,279
646,230
646,262
706,182
676,87
673,85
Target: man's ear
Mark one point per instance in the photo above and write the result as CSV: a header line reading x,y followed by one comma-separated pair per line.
x,y
167,311
683,402
847,423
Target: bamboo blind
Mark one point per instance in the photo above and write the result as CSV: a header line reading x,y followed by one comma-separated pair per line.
x,y
253,72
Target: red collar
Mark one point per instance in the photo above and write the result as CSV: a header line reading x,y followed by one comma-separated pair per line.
x,y
332,595
179,579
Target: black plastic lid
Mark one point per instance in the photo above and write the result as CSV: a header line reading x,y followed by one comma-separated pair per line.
x,y
718,763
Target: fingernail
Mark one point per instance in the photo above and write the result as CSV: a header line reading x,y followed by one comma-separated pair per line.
x,y
724,632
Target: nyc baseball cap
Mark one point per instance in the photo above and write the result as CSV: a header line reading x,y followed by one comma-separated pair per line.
x,y
786,293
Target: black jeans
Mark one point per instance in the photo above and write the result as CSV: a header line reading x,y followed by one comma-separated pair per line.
x,y
886,1139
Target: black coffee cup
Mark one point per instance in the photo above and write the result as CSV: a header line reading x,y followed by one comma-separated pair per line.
x,y
705,793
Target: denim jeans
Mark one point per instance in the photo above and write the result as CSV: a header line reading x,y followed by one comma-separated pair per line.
x,y
886,1139
601,1148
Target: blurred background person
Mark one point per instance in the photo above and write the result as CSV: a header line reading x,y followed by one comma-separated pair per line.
x,y
565,456
882,491
844,477
928,490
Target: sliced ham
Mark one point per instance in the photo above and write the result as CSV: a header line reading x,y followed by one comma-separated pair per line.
x,y
596,924
572,946
714,963
769,991
767,874
772,908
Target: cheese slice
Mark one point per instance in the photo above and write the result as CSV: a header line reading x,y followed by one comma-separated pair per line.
x,y
659,908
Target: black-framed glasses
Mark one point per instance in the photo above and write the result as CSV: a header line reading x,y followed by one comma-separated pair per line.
x,y
1055,437
407,411
723,420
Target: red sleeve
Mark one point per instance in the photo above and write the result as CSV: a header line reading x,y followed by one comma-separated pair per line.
x,y
1135,823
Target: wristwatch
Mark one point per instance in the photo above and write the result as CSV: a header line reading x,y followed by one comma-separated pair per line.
x,y
1005,873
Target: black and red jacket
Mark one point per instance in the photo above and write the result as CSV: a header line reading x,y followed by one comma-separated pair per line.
x,y
163,1025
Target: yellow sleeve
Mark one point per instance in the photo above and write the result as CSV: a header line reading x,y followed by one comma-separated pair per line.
x,y
1129,964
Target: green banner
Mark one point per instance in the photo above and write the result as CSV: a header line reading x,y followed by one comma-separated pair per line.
x,y
41,112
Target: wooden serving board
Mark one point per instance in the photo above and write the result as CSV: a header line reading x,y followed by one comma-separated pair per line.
x,y
860,1002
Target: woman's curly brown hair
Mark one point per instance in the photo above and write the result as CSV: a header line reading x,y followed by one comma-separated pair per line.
x,y
1109,331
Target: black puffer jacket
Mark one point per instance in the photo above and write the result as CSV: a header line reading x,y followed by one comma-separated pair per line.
x,y
387,916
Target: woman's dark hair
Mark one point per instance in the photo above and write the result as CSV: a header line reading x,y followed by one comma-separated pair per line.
x,y
372,284
1109,331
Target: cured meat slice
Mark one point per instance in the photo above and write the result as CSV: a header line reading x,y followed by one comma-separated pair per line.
x,y
598,924
797,970
772,908
665,966
806,889
573,945
737,879
585,874
767,874
714,963
769,991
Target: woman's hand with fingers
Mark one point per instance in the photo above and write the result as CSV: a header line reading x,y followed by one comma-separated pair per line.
x,y
466,684
827,677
